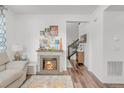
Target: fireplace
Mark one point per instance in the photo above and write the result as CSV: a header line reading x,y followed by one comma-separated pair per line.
x,y
49,64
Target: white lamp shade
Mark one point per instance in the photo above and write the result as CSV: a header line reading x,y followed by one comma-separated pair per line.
x,y
16,48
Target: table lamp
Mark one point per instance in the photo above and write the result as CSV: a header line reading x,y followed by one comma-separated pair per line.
x,y
17,49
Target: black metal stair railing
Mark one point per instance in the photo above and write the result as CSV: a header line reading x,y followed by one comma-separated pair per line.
x,y
72,48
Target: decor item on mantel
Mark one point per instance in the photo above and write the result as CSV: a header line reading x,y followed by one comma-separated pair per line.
x,y
54,29
61,44
48,50
49,39
57,44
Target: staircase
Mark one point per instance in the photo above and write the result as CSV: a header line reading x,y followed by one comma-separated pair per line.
x,y
72,48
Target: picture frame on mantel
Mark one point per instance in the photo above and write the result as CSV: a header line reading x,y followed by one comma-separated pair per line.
x,y
54,30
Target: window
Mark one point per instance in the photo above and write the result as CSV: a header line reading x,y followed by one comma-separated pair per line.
x,y
2,32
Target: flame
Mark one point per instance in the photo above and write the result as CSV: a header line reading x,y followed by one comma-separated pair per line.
x,y
49,65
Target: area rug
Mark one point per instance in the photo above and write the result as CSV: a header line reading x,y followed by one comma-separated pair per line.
x,y
49,81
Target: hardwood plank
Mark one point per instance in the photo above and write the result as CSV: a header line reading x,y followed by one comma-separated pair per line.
x,y
81,77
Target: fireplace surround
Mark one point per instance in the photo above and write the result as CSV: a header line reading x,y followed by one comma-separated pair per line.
x,y
50,62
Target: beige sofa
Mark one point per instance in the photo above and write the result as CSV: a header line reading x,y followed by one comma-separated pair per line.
x,y
12,73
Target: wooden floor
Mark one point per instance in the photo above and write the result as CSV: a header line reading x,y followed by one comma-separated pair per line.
x,y
82,78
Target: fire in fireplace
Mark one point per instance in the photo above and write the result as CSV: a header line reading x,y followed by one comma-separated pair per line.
x,y
50,64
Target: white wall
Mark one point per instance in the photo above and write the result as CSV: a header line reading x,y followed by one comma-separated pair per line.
x,y
25,30
82,29
113,50
72,33
95,43
102,29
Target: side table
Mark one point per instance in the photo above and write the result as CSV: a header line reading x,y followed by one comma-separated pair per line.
x,y
32,68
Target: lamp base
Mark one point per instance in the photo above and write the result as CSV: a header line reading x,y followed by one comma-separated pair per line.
x,y
17,56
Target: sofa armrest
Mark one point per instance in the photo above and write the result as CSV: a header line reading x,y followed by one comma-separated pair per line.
x,y
16,65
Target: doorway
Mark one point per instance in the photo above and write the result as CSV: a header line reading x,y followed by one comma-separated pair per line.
x,y
72,34
76,35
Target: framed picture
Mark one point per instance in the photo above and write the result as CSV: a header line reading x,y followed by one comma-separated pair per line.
x,y
83,38
54,30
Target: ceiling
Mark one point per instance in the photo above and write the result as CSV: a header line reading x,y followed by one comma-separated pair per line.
x,y
52,9
115,8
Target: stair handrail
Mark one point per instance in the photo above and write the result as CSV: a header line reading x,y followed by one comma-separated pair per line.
x,y
71,46
73,43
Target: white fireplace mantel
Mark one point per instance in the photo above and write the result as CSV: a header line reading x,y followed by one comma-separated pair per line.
x,y
41,54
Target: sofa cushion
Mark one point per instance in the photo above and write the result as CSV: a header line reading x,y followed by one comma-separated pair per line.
x,y
19,65
2,67
9,76
3,58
